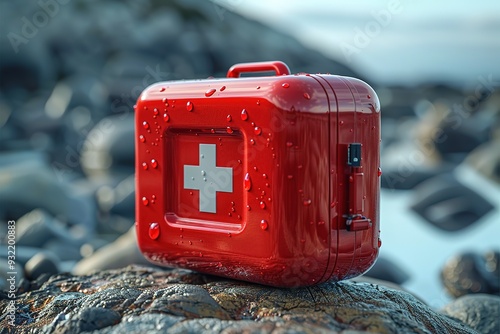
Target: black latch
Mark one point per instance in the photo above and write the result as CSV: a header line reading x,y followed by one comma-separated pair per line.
x,y
354,155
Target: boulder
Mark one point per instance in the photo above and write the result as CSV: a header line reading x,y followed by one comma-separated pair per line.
x,y
144,299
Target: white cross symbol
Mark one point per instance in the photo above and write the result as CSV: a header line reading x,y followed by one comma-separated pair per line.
x,y
208,178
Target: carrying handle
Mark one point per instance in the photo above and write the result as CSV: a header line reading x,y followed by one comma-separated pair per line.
x,y
277,66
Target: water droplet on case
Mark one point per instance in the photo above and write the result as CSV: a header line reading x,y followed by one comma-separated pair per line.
x,y
263,224
289,144
252,141
162,89
154,163
223,88
257,130
244,115
229,118
229,130
247,182
379,171
307,202
189,106
166,117
144,165
307,96
142,138
145,125
210,92
262,205
285,85
154,231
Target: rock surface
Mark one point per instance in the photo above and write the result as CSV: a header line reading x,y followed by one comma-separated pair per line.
x,y
142,299
480,311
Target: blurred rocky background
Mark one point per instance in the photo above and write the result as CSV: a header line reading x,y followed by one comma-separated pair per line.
x,y
71,70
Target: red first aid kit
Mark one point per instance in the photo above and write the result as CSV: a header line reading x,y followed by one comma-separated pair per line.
x,y
268,179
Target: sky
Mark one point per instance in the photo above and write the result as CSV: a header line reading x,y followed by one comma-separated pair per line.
x,y
392,41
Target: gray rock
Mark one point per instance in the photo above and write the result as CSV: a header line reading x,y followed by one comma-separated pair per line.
x,y
149,323
448,204
122,252
37,227
88,319
480,312
41,263
23,253
386,270
149,300
470,272
26,185
109,148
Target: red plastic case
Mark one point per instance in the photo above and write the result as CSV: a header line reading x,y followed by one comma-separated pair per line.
x,y
271,179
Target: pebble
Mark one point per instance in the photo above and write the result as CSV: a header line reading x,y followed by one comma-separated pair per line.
x,y
40,264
